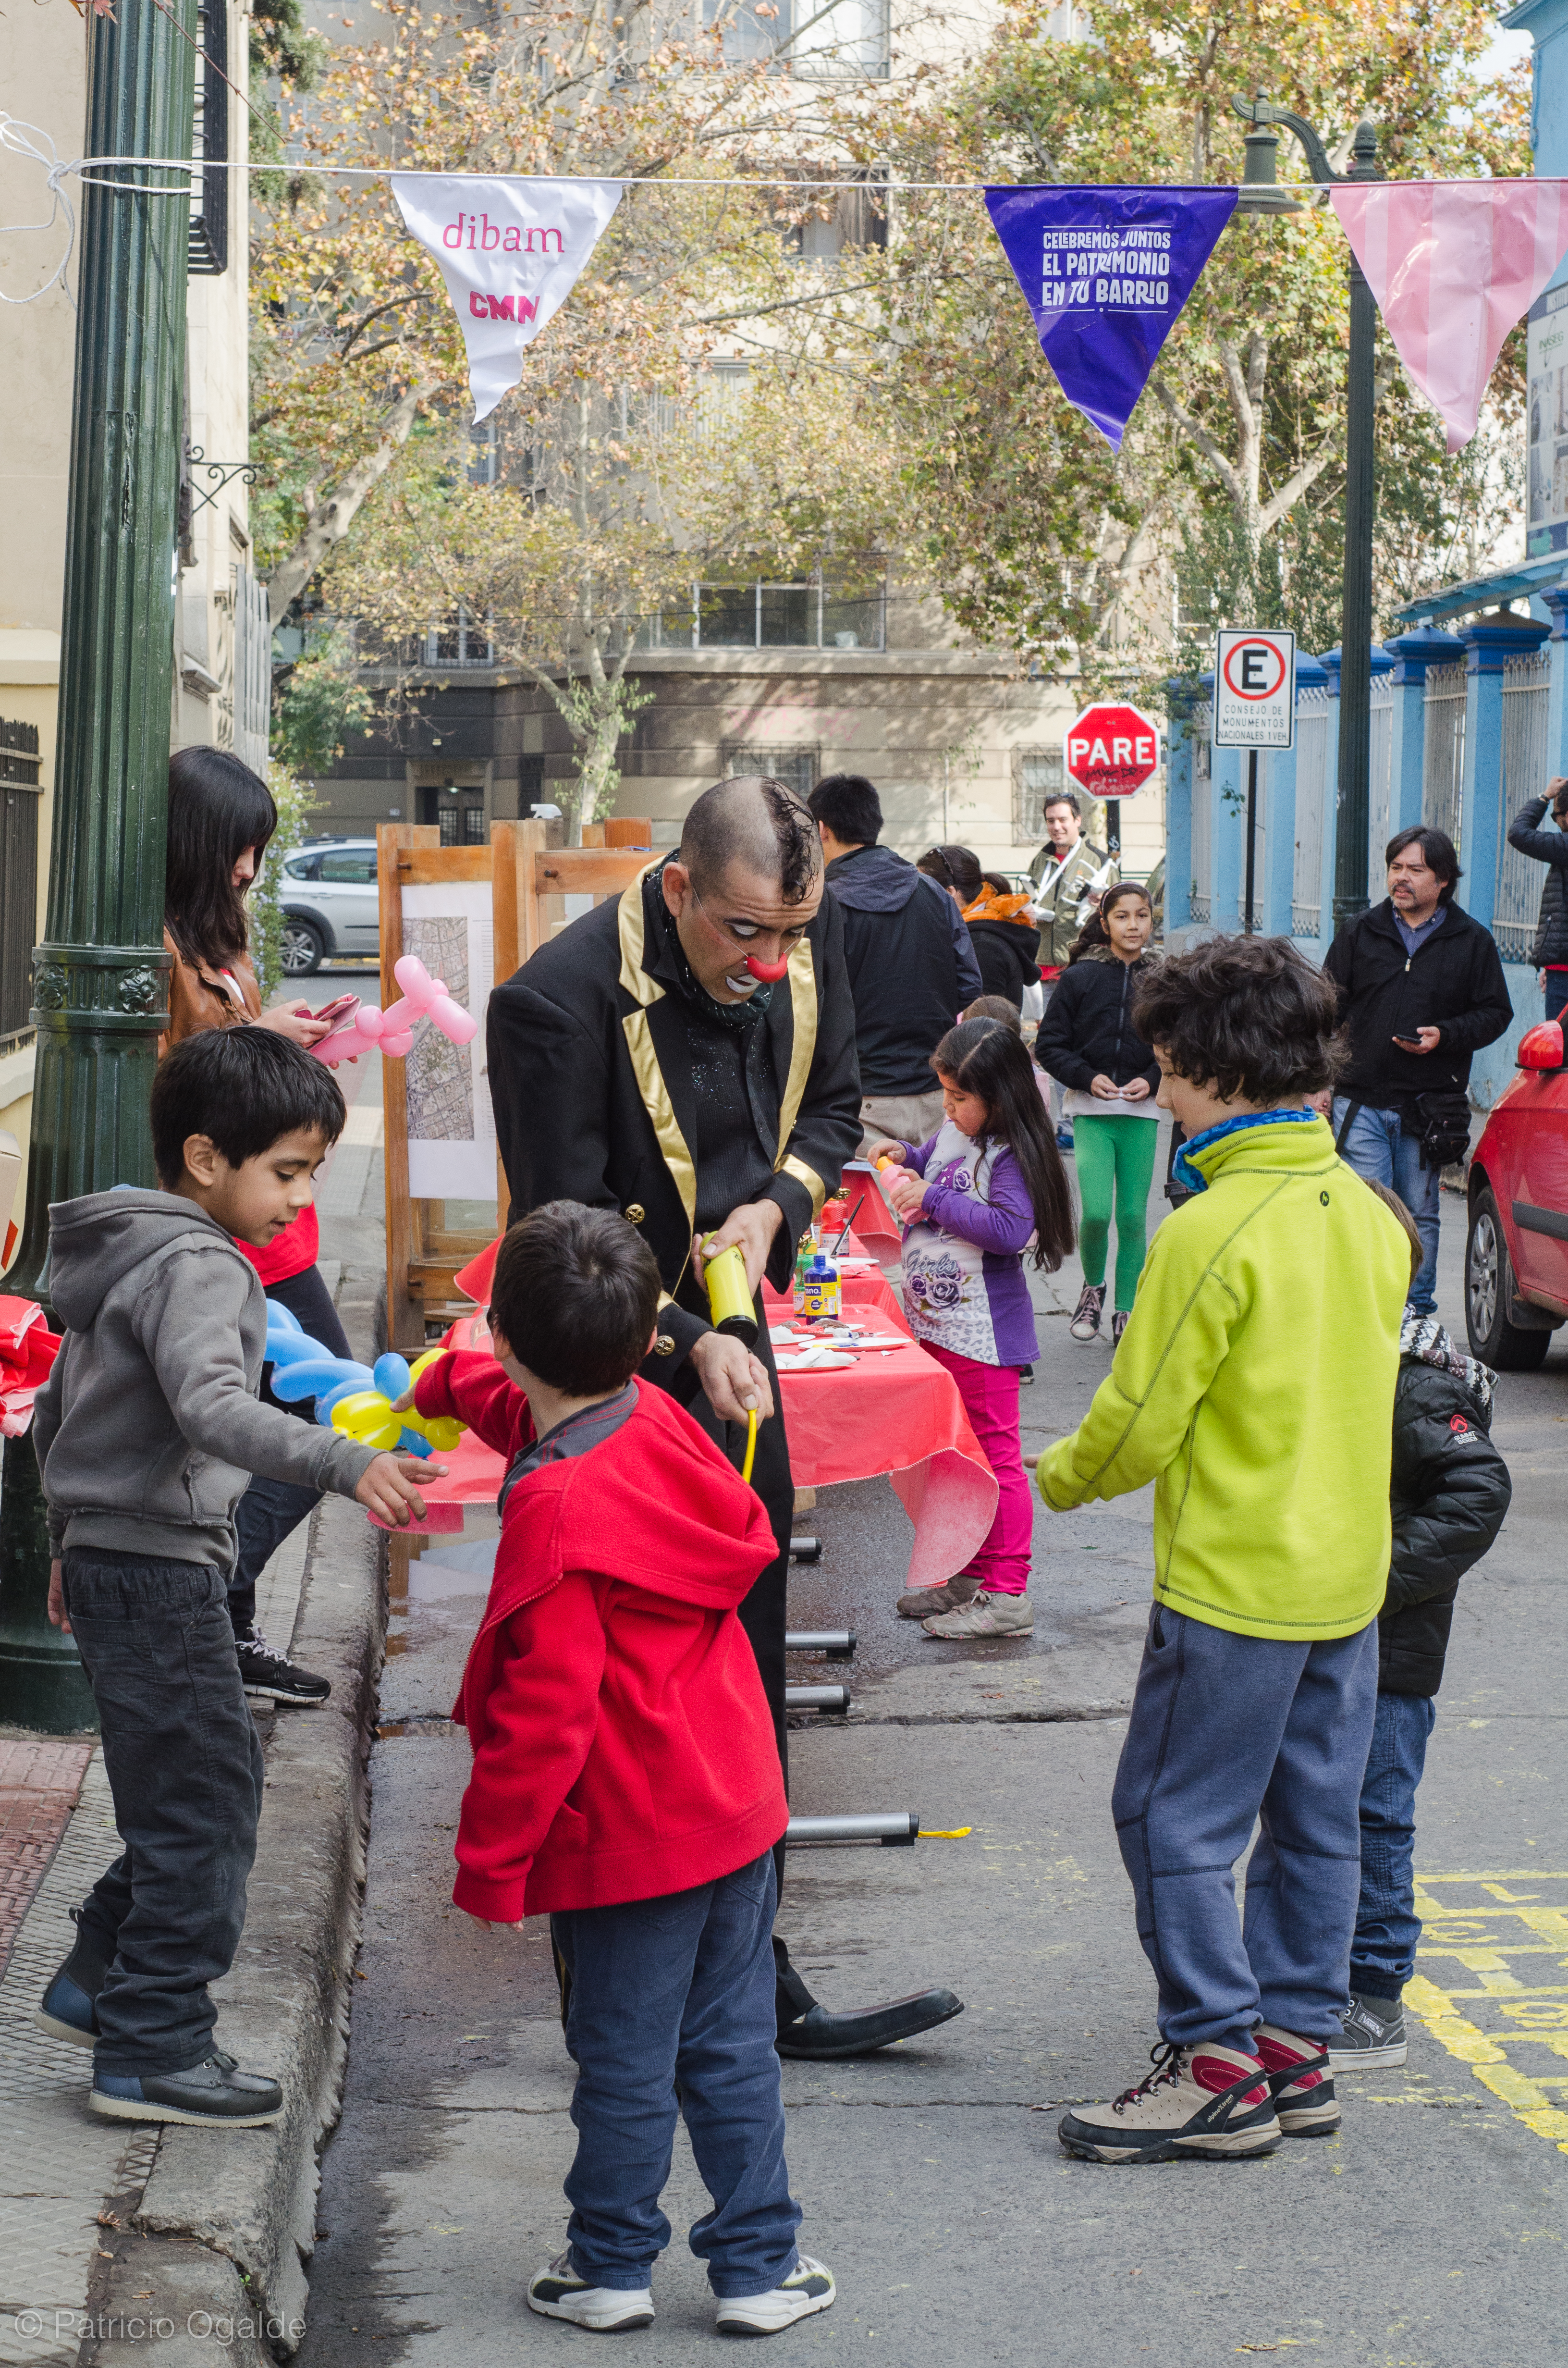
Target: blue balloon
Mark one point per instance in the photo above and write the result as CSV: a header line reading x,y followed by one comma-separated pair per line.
x,y
282,1319
392,1374
292,1348
311,1375
413,1442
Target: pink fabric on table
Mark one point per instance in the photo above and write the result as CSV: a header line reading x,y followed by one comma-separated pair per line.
x,y
990,1395
1454,265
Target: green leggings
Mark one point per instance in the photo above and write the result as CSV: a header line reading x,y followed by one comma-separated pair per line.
x,y
1115,1159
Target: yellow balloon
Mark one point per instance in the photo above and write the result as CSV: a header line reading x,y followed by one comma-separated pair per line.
x,y
367,1417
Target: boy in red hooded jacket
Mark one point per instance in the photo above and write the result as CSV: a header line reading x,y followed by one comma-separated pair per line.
x,y
626,1778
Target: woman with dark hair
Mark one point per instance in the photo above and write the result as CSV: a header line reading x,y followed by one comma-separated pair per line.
x,y
1087,1040
1005,940
956,869
1550,952
971,1199
220,820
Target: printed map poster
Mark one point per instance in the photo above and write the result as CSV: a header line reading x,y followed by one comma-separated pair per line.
x,y
451,1127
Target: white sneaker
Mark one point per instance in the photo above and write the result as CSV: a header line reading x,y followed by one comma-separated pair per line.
x,y
1086,1321
809,2287
985,1615
559,2293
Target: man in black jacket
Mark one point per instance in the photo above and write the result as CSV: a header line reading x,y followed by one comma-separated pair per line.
x,y
1421,988
686,1054
911,966
1550,952
1448,1491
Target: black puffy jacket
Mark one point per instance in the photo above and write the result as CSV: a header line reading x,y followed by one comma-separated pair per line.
x,y
1087,1031
1551,847
1008,955
1448,1492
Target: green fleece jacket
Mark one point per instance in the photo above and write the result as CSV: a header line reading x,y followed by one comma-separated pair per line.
x,y
1254,1385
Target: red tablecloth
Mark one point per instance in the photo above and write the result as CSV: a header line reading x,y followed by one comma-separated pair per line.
x,y
895,1411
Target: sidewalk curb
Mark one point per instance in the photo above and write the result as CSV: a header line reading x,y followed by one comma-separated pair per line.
x,y
239,2206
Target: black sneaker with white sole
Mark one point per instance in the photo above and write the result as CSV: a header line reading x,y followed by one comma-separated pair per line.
x,y
1373,2035
271,1676
214,2094
808,2289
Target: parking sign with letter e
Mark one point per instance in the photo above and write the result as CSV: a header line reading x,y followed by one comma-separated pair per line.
x,y
1255,688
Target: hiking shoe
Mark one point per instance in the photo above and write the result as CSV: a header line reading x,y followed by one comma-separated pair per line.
x,y
986,1615
1086,1315
1118,1325
1299,2081
559,2293
272,1677
1064,1138
68,2009
214,2093
1207,2101
926,1603
809,2287
1373,2031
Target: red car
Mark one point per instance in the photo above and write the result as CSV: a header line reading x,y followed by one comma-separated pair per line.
x,y
1516,1263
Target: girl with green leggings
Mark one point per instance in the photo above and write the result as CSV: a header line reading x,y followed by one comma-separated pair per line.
x,y
1087,1040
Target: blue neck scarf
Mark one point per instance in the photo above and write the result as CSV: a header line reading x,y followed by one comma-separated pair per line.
x,y
1188,1175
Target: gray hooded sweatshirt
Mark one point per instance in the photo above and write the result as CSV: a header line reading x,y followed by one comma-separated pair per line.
x,y
149,1428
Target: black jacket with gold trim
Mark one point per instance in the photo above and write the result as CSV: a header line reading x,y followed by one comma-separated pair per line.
x,y
590,1076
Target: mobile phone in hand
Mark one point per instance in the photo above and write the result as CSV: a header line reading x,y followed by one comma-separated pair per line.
x,y
342,1007
1410,1043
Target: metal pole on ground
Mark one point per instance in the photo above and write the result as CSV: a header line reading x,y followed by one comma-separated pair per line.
x,y
101,984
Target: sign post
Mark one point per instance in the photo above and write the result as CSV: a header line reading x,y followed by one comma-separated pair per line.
x,y
1254,707
1110,750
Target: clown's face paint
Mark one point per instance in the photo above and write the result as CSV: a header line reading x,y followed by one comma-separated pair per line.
x,y
741,934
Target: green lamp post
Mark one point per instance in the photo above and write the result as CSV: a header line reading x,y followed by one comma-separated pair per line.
x,y
1354,815
101,984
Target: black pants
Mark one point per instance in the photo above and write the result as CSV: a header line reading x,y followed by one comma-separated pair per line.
x,y
183,1765
763,1612
270,1509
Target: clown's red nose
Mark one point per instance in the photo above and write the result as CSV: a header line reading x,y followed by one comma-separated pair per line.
x,y
769,973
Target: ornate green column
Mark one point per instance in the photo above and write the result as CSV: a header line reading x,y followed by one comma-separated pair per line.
x,y
100,978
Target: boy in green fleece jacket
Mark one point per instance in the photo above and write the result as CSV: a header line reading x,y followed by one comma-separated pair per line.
x,y
1254,1386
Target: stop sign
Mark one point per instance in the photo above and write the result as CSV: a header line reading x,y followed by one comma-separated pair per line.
x,y
1111,750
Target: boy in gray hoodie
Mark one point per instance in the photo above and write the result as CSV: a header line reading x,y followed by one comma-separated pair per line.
x,y
148,1429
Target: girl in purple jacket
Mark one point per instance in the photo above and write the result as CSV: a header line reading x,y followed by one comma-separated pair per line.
x,y
988,1182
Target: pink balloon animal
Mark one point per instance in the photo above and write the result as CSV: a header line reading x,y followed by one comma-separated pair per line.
x,y
390,1032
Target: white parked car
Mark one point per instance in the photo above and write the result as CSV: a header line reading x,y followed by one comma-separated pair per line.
x,y
330,903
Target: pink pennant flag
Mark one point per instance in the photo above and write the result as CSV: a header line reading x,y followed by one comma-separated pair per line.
x,y
1453,266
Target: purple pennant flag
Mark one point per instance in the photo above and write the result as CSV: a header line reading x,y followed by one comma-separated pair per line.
x,y
1105,271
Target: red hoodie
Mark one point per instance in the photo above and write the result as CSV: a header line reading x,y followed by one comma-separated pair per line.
x,y
622,1743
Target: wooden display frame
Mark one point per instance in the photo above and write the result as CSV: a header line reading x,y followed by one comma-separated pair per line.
x,y
530,881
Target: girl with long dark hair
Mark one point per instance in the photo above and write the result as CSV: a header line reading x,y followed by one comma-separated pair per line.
x,y
220,820
972,1198
1087,1040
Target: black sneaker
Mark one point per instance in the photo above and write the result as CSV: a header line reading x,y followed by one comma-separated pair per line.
x,y
68,2009
272,1677
1373,2030
214,2093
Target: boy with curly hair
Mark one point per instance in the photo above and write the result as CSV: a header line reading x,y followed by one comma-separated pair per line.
x,y
1254,1385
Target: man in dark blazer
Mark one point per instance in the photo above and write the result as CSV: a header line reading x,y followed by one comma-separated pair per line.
x,y
686,1054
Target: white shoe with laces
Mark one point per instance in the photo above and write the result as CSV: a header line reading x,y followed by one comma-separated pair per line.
x,y
808,2288
559,2293
1086,1321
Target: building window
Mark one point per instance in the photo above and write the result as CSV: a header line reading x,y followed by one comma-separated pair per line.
x,y
846,38
459,641
760,616
209,239
531,784
794,764
1037,776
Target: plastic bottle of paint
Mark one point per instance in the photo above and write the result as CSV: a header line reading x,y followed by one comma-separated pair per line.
x,y
821,1294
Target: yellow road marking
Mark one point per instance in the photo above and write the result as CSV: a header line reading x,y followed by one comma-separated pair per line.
x,y
1481,1940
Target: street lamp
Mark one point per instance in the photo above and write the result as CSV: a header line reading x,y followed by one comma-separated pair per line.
x,y
1354,822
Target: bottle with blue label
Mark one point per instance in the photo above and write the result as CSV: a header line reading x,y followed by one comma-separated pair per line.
x,y
820,1293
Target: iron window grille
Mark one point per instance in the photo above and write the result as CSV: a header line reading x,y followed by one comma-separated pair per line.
x,y
209,241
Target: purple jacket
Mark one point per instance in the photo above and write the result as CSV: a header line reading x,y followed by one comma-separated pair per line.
x,y
999,1226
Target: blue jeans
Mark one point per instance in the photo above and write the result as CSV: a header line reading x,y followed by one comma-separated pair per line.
x,y
671,2010
1382,1955
1224,1729
1555,994
1377,1147
184,1766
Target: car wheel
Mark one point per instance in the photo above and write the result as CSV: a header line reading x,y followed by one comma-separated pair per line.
x,y
303,948
1488,1288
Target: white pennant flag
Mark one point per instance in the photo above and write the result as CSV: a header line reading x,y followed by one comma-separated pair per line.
x,y
510,252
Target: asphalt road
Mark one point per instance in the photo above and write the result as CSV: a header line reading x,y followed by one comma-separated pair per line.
x,y
1429,2234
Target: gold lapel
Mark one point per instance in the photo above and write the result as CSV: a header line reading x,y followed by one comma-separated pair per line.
x,y
638,983
802,1050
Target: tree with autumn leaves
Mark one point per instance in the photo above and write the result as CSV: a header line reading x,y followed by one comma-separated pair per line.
x,y
896,408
